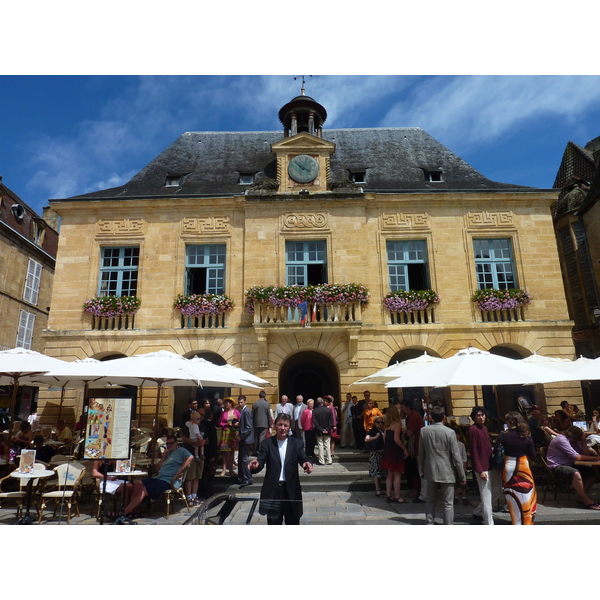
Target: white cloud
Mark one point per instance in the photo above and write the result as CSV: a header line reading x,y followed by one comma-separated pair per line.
x,y
467,111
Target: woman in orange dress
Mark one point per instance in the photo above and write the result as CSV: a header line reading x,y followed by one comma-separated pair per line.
x,y
517,479
369,415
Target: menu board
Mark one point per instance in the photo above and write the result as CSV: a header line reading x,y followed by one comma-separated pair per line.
x,y
27,461
108,429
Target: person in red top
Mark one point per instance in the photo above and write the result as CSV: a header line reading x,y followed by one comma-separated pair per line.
x,y
414,424
481,452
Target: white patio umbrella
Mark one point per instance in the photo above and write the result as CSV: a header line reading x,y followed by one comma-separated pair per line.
x,y
160,368
21,365
550,362
472,366
400,369
76,375
585,370
245,375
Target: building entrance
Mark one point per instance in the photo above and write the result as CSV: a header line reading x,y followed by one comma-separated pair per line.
x,y
310,374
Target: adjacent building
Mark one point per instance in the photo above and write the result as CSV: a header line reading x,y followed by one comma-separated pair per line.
x,y
28,245
331,211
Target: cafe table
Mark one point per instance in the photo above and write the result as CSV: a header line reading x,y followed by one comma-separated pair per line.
x,y
123,519
42,474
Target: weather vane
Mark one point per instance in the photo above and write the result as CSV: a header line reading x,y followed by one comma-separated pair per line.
x,y
303,82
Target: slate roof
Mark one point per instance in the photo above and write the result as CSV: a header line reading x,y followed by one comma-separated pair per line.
x,y
394,159
576,162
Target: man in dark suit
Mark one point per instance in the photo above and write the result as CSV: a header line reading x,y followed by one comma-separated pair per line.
x,y
185,417
261,416
281,494
246,439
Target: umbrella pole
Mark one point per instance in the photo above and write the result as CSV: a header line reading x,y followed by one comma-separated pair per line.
x,y
475,394
155,431
497,400
13,403
62,397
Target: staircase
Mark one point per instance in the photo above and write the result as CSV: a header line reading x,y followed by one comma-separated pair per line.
x,y
348,473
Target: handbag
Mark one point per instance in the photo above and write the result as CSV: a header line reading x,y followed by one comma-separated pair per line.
x,y
497,458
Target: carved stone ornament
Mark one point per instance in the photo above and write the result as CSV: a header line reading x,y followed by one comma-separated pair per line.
x,y
405,221
127,227
308,340
205,225
305,220
490,219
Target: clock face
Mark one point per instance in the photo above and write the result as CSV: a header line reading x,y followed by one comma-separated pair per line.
x,y
303,168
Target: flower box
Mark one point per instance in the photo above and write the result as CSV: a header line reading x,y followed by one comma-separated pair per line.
x,y
492,299
406,301
112,306
501,305
290,296
195,305
112,312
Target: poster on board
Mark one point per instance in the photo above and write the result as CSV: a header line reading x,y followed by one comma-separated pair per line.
x,y
108,430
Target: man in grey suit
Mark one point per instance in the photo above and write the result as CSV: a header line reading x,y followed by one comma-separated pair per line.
x,y
299,408
245,439
261,416
438,459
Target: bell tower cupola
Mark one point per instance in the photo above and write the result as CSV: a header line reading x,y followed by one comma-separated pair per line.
x,y
302,114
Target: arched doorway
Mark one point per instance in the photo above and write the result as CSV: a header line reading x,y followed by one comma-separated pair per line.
x,y
310,374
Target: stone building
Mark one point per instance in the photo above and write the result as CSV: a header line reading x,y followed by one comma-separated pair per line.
x,y
576,221
390,209
28,245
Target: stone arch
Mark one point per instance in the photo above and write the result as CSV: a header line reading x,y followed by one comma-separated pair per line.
x,y
108,355
510,351
310,373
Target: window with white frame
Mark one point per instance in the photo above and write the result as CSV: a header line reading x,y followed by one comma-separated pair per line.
x,y
306,263
119,271
494,264
407,265
25,331
205,269
32,282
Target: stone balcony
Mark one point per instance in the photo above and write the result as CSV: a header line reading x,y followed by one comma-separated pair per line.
x,y
265,312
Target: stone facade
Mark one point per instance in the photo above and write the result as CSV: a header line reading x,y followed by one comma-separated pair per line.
x,y
355,223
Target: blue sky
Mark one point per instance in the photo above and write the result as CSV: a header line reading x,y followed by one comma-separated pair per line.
x,y
66,135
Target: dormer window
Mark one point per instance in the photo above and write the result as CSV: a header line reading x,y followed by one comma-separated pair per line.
x,y
172,181
434,175
246,179
358,176
39,231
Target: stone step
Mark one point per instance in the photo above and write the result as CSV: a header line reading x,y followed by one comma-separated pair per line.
x,y
349,472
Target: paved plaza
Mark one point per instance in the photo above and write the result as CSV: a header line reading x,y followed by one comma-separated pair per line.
x,y
346,508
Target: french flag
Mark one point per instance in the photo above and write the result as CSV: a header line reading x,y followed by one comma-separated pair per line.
x,y
303,313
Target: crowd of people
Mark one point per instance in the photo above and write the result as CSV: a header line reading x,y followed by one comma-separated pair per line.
x,y
408,437
411,437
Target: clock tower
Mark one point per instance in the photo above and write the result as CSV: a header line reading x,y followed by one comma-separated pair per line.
x,y
303,155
